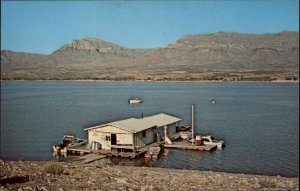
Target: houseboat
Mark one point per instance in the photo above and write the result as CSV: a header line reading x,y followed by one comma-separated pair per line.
x,y
132,136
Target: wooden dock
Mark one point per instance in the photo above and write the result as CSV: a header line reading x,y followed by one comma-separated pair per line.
x,y
79,150
82,150
188,146
91,157
134,154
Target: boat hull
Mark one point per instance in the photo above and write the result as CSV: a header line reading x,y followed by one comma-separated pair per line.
x,y
219,144
59,149
135,101
153,152
185,135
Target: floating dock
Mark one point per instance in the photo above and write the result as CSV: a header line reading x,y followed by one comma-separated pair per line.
x,y
184,144
189,146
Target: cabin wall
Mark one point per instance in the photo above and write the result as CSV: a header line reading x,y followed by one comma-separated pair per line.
x,y
110,135
151,134
104,136
171,129
160,131
125,139
147,137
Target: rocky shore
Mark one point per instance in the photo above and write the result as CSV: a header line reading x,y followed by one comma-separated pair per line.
x,y
103,175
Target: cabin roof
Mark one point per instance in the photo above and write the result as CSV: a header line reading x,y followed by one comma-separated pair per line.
x,y
135,125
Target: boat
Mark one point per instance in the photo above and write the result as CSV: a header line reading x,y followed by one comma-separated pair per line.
x,y
68,141
60,148
184,128
209,140
135,101
184,131
153,152
185,134
78,142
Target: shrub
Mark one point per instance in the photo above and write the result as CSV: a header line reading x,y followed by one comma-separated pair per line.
x,y
53,168
266,183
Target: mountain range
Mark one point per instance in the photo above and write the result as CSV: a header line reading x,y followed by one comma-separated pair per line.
x,y
219,56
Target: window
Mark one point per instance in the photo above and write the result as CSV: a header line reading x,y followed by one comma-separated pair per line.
x,y
144,133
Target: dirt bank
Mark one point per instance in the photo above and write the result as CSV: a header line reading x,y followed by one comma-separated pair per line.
x,y
102,175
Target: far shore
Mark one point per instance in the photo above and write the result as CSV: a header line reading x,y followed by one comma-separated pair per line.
x,y
167,81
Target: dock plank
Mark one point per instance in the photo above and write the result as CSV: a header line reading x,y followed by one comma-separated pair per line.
x,y
91,157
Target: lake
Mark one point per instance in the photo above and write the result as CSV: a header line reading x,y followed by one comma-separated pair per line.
x,y
259,122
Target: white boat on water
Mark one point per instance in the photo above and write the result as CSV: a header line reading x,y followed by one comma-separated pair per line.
x,y
68,141
209,140
135,101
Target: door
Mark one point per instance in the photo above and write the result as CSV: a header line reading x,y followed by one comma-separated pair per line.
x,y
113,139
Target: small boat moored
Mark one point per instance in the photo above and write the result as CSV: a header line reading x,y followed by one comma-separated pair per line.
x,y
184,128
184,131
68,141
185,135
60,148
209,140
153,152
135,101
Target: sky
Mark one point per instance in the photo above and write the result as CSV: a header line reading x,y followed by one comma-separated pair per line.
x,y
44,26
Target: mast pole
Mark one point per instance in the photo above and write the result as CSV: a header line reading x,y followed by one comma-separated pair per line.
x,y
192,124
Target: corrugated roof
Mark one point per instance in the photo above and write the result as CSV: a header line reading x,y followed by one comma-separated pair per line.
x,y
132,125
139,124
161,119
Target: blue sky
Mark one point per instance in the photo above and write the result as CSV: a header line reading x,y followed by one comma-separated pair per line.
x,y
44,26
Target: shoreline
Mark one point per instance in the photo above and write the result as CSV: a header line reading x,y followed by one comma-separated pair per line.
x,y
166,81
103,175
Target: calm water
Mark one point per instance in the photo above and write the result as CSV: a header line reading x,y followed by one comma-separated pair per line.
x,y
258,121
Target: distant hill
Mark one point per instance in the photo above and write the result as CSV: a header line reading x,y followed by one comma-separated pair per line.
x,y
219,56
